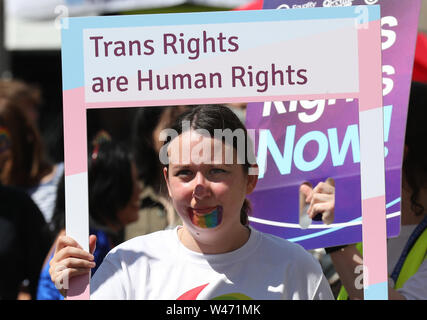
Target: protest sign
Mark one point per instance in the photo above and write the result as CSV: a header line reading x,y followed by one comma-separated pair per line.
x,y
323,141
175,59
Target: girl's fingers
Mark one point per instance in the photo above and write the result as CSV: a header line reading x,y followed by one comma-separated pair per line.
x,y
64,241
92,243
72,252
62,276
69,263
77,263
67,269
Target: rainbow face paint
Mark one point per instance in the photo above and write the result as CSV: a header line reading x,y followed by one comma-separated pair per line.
x,y
208,220
5,141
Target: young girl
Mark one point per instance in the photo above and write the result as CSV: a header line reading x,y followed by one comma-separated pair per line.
x,y
215,254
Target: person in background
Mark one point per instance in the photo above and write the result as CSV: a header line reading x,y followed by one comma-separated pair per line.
x,y
156,212
25,164
113,203
407,253
24,95
24,242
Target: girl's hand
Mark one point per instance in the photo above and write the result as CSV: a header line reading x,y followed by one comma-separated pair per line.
x,y
70,260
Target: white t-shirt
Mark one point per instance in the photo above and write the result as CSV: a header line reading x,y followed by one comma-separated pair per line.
x,y
159,266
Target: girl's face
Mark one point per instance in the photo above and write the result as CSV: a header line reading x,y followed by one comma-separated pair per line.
x,y
129,213
207,194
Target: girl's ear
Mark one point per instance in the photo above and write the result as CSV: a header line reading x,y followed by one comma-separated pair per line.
x,y
165,175
252,179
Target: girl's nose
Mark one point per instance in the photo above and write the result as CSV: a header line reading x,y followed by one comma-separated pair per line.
x,y
201,188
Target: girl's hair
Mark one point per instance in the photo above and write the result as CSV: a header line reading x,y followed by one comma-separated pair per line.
x,y
110,185
415,162
214,117
28,163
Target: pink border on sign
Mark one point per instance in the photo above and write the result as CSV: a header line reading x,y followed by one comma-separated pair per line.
x,y
74,112
369,85
374,233
374,255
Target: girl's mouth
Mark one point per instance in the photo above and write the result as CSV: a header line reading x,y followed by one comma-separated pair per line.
x,y
206,218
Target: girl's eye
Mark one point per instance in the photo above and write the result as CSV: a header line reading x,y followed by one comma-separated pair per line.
x,y
184,172
217,170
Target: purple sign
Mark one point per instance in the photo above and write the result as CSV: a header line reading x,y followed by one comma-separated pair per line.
x,y
310,141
